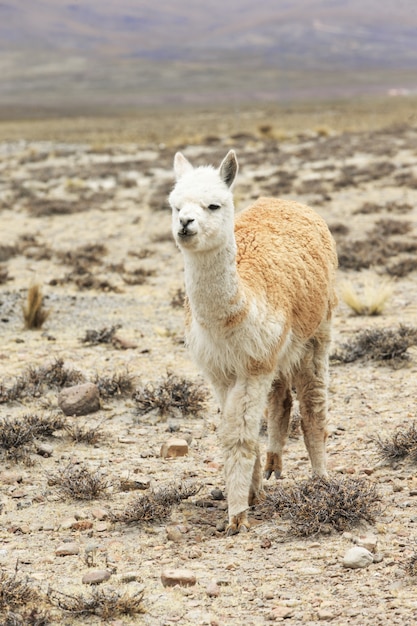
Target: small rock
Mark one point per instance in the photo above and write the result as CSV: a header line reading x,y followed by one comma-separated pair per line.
x,y
369,542
325,615
67,549
174,533
174,448
129,577
10,477
80,399
279,613
44,449
182,577
357,557
100,513
217,494
95,577
212,590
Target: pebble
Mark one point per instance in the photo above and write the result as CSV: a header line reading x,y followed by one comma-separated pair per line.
x,y
95,576
212,590
279,613
174,533
67,549
174,448
79,399
357,557
182,577
100,513
325,615
369,542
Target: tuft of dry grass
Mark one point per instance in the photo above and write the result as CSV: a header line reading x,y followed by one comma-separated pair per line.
x,y
104,335
18,436
20,602
316,504
172,394
80,433
411,565
156,505
106,603
119,384
79,482
401,445
4,274
177,300
369,298
34,380
34,313
383,345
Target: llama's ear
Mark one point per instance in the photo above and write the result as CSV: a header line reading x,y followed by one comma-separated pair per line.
x,y
181,165
228,168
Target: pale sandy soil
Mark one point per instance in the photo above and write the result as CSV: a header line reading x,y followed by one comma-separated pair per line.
x,y
118,199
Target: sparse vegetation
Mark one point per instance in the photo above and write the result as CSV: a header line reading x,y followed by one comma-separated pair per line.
x,y
382,345
402,445
171,395
370,299
18,435
34,313
317,504
80,483
156,505
81,433
107,603
104,335
119,384
20,602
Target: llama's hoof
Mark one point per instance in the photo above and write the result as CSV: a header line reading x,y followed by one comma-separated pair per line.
x,y
267,474
238,524
273,465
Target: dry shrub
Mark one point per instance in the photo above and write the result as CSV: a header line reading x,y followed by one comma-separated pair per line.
x,y
34,313
373,251
172,394
138,276
120,384
388,227
383,345
403,444
156,505
80,483
80,433
17,436
19,602
316,504
7,252
4,274
177,300
370,298
402,268
104,335
107,603
88,254
411,566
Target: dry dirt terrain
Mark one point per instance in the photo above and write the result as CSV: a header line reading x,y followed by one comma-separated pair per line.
x,y
90,224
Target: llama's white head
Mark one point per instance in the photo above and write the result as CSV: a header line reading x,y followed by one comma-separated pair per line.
x,y
202,204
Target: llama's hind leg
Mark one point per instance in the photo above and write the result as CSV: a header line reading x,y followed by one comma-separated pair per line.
x,y
278,415
242,414
311,383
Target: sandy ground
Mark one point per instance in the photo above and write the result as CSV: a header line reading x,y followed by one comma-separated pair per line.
x,y
57,201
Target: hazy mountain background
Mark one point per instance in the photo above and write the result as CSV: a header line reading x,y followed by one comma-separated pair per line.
x,y
124,54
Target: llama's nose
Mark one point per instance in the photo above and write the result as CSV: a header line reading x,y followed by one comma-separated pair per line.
x,y
185,221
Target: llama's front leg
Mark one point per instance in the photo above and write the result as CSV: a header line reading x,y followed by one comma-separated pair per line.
x,y
279,413
242,414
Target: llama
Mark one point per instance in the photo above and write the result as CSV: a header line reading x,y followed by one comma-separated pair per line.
x,y
259,300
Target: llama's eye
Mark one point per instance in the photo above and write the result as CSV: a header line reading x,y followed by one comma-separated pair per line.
x,y
214,207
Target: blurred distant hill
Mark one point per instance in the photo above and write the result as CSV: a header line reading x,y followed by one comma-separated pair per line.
x,y
130,53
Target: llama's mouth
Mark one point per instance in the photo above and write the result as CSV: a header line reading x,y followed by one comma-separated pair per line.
x,y
185,234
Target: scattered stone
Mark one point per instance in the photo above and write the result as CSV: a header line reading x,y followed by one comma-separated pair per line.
x,y
10,477
357,557
129,577
100,513
217,494
95,577
279,613
213,590
44,449
80,399
174,533
67,549
182,577
174,448
369,542
325,615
